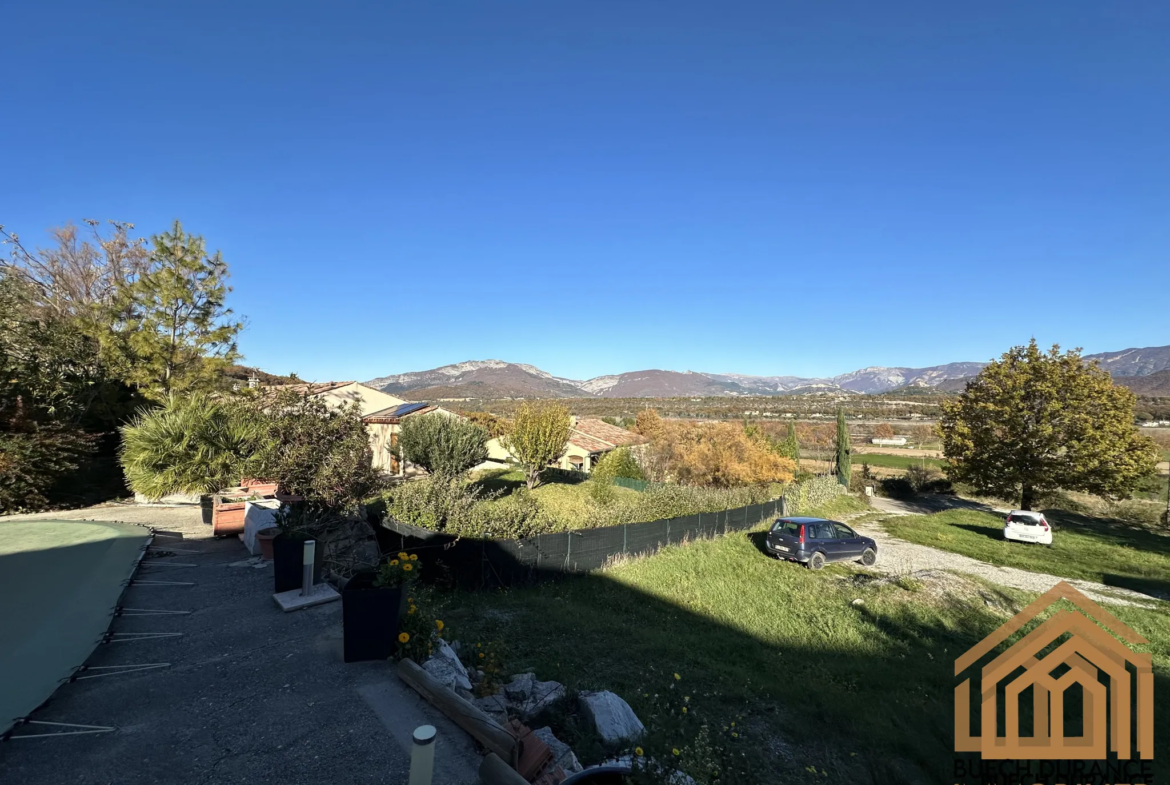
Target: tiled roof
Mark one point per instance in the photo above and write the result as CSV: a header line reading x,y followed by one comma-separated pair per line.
x,y
598,436
588,443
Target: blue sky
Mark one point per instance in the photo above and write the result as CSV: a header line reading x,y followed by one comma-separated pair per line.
x,y
596,187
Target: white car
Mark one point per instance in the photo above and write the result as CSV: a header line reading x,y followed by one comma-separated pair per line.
x,y
1026,526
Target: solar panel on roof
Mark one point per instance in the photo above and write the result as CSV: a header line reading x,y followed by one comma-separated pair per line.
x,y
407,408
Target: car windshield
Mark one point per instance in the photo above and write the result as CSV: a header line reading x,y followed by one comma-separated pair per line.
x,y
791,528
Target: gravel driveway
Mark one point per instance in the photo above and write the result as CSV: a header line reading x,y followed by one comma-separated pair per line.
x,y
897,557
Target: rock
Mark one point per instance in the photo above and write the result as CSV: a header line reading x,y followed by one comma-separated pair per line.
x,y
613,718
444,666
541,695
495,706
520,687
476,675
562,753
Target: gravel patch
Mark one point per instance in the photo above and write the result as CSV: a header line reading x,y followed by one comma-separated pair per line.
x,y
898,557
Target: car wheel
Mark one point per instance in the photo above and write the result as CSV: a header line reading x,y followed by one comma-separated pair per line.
x,y
869,557
817,561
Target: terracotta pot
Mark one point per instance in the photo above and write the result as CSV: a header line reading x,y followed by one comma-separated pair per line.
x,y
227,518
259,487
265,538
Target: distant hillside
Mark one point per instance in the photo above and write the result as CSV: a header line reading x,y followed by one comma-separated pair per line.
x,y
480,379
1156,384
499,379
1134,362
243,373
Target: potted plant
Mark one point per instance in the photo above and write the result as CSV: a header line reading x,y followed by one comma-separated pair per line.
x,y
265,538
297,523
372,603
227,513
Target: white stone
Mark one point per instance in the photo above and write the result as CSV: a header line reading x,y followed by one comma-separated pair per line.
x,y
563,755
541,695
444,666
614,719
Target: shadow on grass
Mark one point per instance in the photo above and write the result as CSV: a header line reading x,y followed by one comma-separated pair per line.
x,y
1154,587
862,691
1110,530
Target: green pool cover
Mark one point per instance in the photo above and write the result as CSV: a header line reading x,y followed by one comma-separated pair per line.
x,y
59,582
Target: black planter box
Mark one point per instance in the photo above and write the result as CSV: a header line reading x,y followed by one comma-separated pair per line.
x,y
370,616
288,556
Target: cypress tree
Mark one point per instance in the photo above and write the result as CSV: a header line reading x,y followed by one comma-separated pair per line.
x,y
844,461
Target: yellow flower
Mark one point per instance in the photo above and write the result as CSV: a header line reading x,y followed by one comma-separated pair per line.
x,y
735,735
408,567
402,555
481,655
684,709
638,751
411,611
439,624
404,637
414,557
479,645
677,677
410,600
675,751
733,724
394,562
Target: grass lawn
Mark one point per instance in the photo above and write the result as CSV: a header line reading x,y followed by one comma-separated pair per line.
x,y
1096,549
894,461
568,503
861,691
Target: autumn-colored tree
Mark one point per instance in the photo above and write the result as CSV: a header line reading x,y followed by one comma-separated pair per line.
x,y
539,434
716,454
1035,421
883,431
648,423
495,425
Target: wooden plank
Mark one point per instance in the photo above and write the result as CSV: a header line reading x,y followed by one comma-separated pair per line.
x,y
483,728
493,771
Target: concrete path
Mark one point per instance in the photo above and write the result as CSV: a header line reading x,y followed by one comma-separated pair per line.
x,y
897,556
252,694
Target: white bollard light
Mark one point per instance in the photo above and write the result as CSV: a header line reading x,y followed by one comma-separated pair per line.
x,y
422,755
307,567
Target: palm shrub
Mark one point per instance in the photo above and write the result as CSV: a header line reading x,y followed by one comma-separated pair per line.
x,y
193,444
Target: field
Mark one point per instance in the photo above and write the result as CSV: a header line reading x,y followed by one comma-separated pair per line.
x,y
1097,549
888,461
841,677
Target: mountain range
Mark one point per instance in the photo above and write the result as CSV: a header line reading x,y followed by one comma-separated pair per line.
x,y
1147,371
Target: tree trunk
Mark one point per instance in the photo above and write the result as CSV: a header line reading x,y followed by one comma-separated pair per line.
x,y
1028,498
533,477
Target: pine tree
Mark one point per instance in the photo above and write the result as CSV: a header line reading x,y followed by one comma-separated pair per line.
x,y
174,333
844,461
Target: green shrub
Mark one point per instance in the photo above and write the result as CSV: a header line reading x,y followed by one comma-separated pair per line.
x,y
442,444
434,502
617,463
812,491
195,444
33,458
316,451
519,515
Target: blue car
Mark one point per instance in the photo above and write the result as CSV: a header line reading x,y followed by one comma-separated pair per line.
x,y
816,541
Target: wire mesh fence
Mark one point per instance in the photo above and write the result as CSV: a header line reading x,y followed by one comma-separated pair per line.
x,y
483,564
